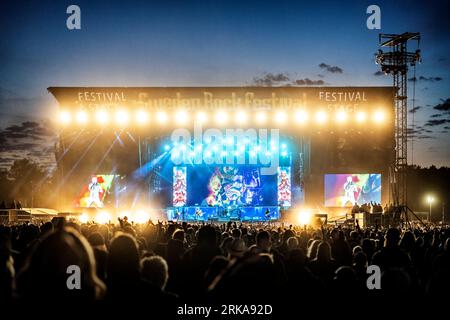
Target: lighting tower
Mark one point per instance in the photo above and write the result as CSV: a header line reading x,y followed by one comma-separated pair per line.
x,y
396,62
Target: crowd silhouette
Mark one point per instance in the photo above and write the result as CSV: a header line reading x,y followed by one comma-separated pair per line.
x,y
171,262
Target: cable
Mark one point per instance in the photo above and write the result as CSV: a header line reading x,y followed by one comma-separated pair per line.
x,y
413,116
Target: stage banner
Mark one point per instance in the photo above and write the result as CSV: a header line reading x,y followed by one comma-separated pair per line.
x,y
284,186
350,99
179,186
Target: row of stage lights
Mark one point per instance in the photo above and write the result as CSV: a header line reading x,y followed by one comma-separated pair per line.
x,y
238,149
221,117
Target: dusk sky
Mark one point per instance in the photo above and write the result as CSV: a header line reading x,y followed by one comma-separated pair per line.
x,y
211,43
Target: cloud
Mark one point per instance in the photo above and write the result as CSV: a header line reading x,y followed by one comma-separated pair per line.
x,y
415,109
438,122
444,106
29,139
422,78
378,73
308,82
419,133
331,69
413,131
268,79
437,115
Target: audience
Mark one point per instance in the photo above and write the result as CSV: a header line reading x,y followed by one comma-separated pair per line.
x,y
173,262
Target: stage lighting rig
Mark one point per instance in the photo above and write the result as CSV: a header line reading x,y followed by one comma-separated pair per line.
x,y
396,62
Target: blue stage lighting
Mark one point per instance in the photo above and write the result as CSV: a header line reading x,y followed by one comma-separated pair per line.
x,y
284,153
166,147
283,146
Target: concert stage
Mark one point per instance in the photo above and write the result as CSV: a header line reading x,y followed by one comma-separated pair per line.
x,y
221,154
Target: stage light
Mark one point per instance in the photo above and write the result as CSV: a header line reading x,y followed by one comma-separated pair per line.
x,y
161,117
121,117
215,148
280,117
103,217
64,117
252,153
304,217
141,117
321,117
83,218
223,153
221,117
175,155
181,116
284,153
199,147
141,217
283,146
341,116
82,117
261,117
378,116
102,116
360,116
183,147
201,117
208,153
166,147
241,116
301,116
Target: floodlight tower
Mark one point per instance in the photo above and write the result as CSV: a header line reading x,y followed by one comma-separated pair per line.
x,y
396,62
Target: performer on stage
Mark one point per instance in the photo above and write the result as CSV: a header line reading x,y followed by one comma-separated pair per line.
x,y
95,191
349,191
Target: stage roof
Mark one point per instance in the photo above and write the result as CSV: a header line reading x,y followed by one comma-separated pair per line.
x,y
332,98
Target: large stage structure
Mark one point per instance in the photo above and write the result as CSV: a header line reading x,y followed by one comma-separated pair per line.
x,y
224,153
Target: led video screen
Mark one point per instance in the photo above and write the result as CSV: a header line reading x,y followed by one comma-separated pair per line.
x,y
343,190
95,191
230,186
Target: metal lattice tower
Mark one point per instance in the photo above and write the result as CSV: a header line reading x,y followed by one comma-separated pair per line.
x,y
396,62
